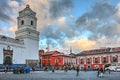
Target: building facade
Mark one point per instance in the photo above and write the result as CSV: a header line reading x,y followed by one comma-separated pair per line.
x,y
23,49
55,58
99,58
41,52
48,59
65,60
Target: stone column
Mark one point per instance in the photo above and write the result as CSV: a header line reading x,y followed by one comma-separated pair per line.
x,y
85,60
63,60
108,58
100,60
92,59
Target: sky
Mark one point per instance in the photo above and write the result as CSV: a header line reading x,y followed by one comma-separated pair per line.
x,y
64,24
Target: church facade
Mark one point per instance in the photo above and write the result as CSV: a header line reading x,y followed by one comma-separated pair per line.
x,y
23,49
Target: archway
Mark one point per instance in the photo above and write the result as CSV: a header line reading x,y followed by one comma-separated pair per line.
x,y
8,56
7,60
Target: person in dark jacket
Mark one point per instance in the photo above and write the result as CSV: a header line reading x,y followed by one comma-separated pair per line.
x,y
77,69
101,72
53,69
98,72
6,69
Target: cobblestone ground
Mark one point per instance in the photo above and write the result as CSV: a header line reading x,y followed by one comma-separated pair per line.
x,y
59,75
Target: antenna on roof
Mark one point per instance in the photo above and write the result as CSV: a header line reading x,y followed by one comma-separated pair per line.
x,y
47,45
70,49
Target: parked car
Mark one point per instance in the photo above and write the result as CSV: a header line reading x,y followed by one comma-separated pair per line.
x,y
1,70
112,68
117,69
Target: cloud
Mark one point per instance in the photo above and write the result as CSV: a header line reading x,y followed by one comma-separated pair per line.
x,y
100,21
58,7
49,11
13,29
51,24
14,4
103,23
51,19
61,20
5,9
118,10
3,30
100,11
81,44
8,14
59,26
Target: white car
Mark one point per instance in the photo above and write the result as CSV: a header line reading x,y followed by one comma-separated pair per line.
x,y
112,68
117,69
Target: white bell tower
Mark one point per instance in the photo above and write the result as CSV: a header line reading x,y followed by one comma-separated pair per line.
x,y
27,24
27,32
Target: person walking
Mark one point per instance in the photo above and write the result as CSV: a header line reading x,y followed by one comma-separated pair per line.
x,y
101,72
33,69
77,69
98,72
66,68
45,68
109,71
6,69
53,69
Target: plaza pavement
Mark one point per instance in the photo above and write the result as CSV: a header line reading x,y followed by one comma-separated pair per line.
x,y
59,75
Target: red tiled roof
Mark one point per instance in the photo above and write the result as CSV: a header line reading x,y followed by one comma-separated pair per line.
x,y
99,51
95,51
117,49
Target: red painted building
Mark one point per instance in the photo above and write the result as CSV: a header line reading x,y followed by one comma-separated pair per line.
x,y
55,58
48,59
65,59
99,58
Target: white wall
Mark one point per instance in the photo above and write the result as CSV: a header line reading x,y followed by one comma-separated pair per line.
x,y
18,52
32,48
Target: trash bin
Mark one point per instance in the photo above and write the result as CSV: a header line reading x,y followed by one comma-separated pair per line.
x,y
21,70
27,70
15,71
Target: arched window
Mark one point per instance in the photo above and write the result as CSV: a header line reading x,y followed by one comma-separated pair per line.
x,y
114,59
82,61
22,22
88,60
96,60
104,60
31,22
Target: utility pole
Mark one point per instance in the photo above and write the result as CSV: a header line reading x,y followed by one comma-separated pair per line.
x,y
47,45
70,49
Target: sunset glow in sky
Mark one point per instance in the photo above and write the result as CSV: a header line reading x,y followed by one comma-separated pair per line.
x,y
80,24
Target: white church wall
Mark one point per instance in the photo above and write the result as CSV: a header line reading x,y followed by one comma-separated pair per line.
x,y
18,52
32,48
18,55
1,52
